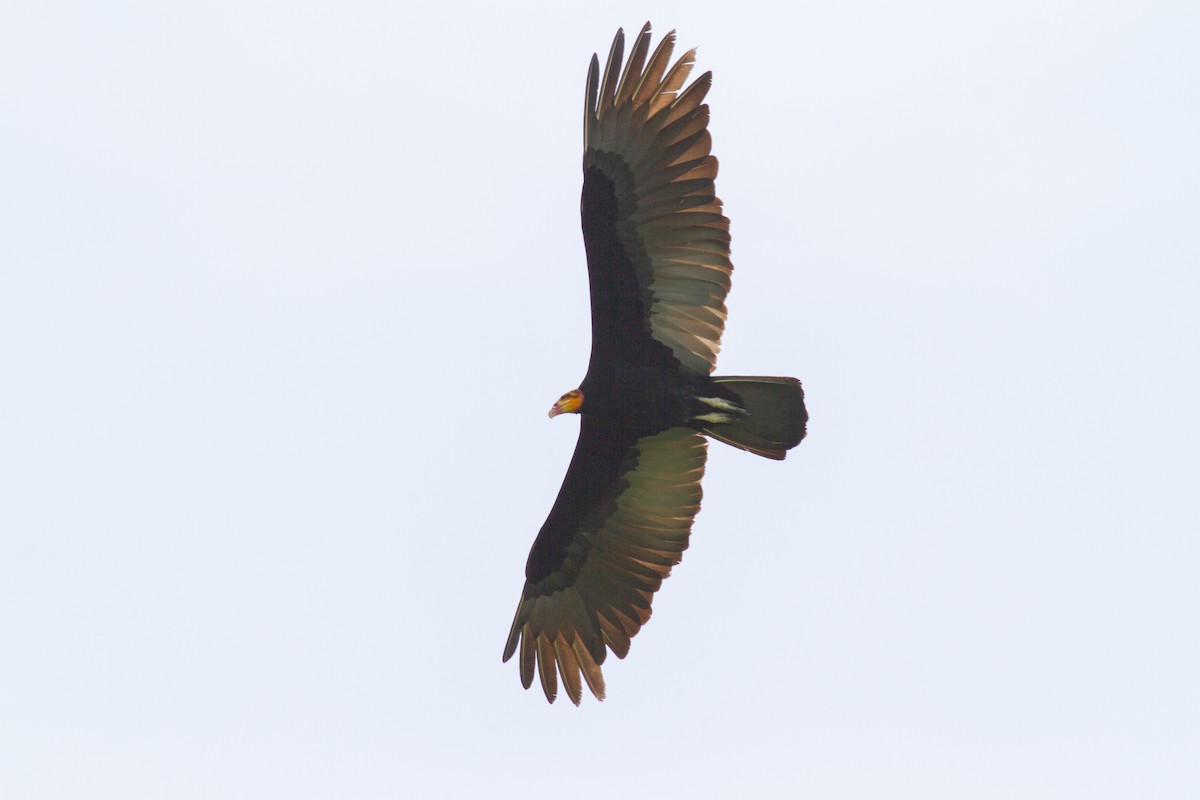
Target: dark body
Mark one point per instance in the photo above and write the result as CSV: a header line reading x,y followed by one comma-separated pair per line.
x,y
630,404
635,386
657,245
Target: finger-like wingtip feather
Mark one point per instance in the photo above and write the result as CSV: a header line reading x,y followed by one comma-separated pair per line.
x,y
568,668
547,670
591,670
589,98
612,72
633,67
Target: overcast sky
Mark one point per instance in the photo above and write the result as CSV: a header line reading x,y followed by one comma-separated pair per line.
x,y
286,290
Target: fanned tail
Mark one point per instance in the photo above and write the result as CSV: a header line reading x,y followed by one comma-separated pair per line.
x,y
776,418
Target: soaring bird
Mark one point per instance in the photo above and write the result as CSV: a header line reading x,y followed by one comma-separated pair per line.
x,y
657,248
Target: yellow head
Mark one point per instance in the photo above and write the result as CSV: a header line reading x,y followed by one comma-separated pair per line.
x,y
569,403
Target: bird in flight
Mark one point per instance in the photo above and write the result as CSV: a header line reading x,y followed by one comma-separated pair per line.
x,y
657,248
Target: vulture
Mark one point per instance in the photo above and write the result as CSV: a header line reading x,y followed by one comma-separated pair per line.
x,y
657,247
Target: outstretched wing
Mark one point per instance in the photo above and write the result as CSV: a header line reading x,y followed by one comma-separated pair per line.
x,y
621,521
657,242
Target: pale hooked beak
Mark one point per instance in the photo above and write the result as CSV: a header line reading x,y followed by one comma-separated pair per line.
x,y
568,403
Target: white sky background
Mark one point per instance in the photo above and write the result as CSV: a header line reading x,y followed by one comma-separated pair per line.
x,y
286,291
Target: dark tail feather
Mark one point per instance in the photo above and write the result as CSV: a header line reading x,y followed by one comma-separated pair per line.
x,y
776,418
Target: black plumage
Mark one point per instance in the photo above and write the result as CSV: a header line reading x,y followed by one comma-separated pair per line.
x,y
657,248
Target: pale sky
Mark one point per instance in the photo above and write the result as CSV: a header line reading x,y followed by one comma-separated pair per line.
x,y
286,291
